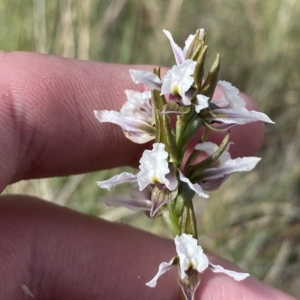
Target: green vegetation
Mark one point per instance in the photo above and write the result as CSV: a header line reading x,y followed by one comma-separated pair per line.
x,y
254,219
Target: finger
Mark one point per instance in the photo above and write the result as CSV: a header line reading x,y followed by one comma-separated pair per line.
x,y
58,253
47,123
219,286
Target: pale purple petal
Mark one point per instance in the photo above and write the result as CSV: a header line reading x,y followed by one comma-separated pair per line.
x,y
126,201
231,94
239,116
163,268
118,179
213,177
193,186
151,80
179,57
137,105
172,181
231,109
139,137
239,164
208,147
219,125
238,276
202,102
135,129
214,184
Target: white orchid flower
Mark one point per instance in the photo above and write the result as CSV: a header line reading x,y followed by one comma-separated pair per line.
x,y
179,81
214,176
135,117
178,84
180,54
230,109
154,169
191,257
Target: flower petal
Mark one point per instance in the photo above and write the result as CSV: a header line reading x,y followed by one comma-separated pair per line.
x,y
163,268
208,147
160,197
202,102
135,129
231,94
117,179
190,254
179,57
151,80
239,116
133,204
239,164
193,186
137,105
154,167
179,80
231,107
214,184
238,276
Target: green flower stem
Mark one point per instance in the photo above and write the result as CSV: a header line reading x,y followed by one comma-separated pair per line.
x,y
187,126
171,219
188,220
195,153
195,172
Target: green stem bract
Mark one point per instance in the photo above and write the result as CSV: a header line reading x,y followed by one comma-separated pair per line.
x,y
195,153
158,100
194,172
188,220
171,219
184,194
209,85
199,70
164,135
186,127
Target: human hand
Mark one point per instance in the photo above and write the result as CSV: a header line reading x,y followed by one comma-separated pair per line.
x,y
48,129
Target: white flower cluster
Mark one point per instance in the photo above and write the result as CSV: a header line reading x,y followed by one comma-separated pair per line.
x,y
136,120
160,169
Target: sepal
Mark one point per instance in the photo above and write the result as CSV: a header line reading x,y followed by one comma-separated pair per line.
x,y
194,171
160,197
175,109
237,276
190,283
210,82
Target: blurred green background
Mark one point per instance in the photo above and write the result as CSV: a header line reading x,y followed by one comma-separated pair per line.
x,y
254,219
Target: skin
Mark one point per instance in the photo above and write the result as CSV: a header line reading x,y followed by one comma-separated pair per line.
x,y
48,129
